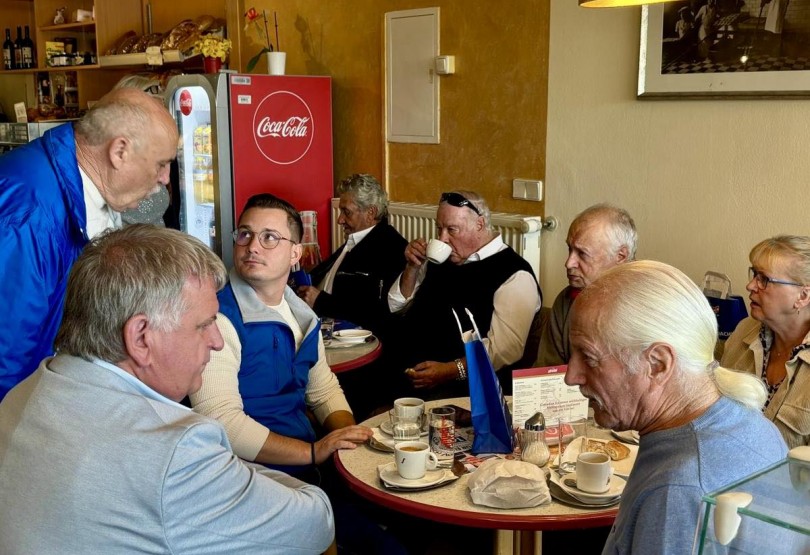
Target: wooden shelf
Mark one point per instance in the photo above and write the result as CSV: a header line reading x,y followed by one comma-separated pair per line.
x,y
141,59
69,26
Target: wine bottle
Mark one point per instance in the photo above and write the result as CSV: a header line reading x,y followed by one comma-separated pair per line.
x,y
59,98
28,50
18,59
8,51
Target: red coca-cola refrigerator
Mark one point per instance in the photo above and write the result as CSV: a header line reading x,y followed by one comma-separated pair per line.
x,y
247,134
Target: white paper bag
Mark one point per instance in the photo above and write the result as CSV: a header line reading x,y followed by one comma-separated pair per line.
x,y
506,484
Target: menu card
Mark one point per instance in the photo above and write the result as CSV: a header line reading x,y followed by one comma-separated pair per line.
x,y
544,390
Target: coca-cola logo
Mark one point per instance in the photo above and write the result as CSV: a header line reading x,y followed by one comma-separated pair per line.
x,y
283,127
185,102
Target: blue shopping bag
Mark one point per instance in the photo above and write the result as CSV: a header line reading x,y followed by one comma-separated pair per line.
x,y
492,423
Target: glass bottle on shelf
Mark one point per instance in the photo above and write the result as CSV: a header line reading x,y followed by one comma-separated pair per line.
x,y
59,98
28,50
18,49
311,255
8,51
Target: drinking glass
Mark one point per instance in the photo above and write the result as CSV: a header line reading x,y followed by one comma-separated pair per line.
x,y
442,434
327,328
571,434
405,427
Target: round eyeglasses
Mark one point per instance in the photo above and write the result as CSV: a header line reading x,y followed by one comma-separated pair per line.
x,y
267,239
762,280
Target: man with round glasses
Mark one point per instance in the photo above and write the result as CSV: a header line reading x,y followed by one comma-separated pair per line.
x,y
272,369
482,274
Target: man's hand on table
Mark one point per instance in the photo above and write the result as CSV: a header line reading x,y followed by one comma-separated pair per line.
x,y
344,438
430,373
308,294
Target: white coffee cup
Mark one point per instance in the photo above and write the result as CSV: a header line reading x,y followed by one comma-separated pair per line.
x,y
593,472
411,407
414,459
438,251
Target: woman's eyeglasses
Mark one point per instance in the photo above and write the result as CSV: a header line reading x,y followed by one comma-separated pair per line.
x,y
457,200
267,239
762,280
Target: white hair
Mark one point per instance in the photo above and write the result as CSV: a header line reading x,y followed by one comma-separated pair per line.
x,y
620,228
647,302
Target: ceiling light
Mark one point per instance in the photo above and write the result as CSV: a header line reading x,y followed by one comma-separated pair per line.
x,y
617,3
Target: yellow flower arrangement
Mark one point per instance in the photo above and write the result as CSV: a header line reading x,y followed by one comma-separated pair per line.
x,y
212,46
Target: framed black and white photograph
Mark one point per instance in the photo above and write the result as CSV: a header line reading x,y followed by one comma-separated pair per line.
x,y
736,48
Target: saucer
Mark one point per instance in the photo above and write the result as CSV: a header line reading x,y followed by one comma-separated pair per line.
x,y
558,493
351,336
615,489
385,427
390,477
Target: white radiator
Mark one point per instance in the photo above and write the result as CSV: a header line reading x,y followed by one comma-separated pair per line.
x,y
520,232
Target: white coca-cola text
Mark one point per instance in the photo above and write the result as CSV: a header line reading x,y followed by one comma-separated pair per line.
x,y
294,127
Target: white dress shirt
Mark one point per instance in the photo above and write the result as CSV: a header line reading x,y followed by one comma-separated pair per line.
x,y
100,216
352,241
515,303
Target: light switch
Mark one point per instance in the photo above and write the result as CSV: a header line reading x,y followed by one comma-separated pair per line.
x,y
527,189
445,65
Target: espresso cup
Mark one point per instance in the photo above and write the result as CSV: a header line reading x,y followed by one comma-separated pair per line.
x,y
413,459
411,407
593,472
438,251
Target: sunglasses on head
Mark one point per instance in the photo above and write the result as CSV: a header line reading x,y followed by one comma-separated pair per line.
x,y
457,200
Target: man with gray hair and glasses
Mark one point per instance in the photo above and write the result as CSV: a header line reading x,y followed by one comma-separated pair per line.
x,y
96,453
600,237
482,274
642,351
353,283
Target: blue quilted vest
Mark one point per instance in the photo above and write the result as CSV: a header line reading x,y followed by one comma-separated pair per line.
x,y
273,377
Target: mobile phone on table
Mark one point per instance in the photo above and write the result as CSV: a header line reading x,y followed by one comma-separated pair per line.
x,y
463,416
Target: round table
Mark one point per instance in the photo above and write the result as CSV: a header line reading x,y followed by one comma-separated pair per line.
x,y
452,503
342,359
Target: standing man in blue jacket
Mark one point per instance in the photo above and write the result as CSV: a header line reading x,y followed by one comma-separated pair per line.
x,y
58,192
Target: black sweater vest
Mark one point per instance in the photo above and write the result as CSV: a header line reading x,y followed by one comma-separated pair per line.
x,y
428,330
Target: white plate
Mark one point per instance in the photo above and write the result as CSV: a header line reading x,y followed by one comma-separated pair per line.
x,y
388,474
351,336
558,493
628,436
385,427
615,489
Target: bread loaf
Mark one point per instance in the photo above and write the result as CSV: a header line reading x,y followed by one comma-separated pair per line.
x,y
613,449
617,450
204,22
113,50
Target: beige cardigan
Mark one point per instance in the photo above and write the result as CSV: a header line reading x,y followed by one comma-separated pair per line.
x,y
789,408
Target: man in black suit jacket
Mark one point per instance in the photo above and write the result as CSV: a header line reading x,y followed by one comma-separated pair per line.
x,y
353,283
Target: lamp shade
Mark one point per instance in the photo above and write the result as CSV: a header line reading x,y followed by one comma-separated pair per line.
x,y
617,3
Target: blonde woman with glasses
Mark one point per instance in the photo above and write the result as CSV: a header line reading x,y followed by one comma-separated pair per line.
x,y
774,342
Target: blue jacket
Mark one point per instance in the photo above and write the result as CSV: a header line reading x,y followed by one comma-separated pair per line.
x,y
273,376
42,231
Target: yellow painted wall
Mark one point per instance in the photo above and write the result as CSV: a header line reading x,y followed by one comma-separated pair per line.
x,y
493,121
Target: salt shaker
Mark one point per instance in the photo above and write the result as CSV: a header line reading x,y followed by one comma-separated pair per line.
x,y
533,446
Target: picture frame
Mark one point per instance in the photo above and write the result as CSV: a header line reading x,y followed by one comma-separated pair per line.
x,y
740,60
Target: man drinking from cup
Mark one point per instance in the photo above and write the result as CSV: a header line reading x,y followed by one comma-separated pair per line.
x,y
642,350
481,273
